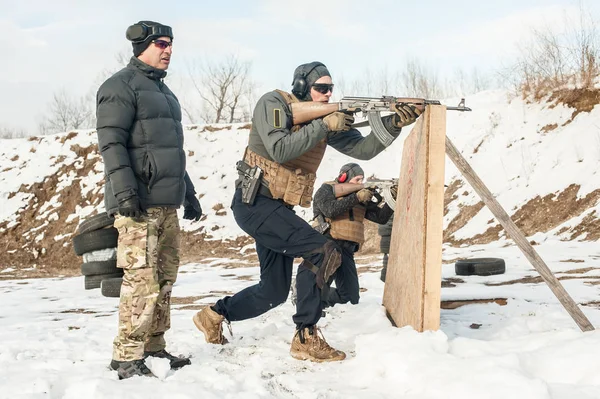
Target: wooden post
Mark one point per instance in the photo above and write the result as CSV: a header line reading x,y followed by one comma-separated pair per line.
x,y
513,231
413,281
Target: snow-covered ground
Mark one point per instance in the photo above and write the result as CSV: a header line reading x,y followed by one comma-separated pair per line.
x,y
56,339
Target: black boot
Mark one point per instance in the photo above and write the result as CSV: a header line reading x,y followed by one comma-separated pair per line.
x,y
126,369
176,362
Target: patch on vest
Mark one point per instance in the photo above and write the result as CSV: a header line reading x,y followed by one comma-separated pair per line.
x,y
277,118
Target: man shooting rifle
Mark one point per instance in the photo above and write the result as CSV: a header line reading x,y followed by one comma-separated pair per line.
x,y
371,107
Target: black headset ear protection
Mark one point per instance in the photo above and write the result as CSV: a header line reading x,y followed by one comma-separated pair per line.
x,y
139,32
299,85
342,177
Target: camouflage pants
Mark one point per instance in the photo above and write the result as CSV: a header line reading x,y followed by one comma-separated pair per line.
x,y
148,252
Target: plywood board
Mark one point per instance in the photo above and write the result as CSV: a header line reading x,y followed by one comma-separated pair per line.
x,y
413,281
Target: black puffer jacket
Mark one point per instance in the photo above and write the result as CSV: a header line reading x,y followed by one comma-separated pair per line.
x,y
140,138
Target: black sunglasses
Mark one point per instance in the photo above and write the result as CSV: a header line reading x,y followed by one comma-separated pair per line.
x,y
323,88
162,44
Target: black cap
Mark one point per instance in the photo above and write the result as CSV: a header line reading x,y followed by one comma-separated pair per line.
x,y
142,33
351,170
305,76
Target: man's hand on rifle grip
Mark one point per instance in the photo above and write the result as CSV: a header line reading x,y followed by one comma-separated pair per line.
x,y
338,122
405,114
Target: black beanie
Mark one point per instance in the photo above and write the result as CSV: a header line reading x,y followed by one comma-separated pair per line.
x,y
139,47
351,170
311,72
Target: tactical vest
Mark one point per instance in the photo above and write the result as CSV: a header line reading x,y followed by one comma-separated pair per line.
x,y
294,180
349,226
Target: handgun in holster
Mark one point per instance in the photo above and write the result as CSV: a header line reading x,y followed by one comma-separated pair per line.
x,y
320,224
251,179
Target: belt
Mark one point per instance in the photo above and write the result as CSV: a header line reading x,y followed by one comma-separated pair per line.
x,y
264,191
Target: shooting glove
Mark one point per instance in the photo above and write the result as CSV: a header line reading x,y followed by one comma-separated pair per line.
x,y
191,208
405,115
130,207
338,122
364,195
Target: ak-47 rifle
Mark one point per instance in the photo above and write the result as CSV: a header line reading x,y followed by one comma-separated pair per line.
x,y
381,186
371,107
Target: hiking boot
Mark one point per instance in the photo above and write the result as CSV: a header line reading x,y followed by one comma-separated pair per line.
x,y
309,344
211,324
131,368
175,361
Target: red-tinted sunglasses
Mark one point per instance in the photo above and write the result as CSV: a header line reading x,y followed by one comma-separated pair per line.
x,y
162,44
323,88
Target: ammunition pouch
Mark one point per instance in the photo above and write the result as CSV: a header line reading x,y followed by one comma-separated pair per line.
x,y
293,186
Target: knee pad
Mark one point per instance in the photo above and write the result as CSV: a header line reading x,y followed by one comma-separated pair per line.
x,y
331,260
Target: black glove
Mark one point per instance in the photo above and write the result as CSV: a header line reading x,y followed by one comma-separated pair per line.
x,y
191,208
130,207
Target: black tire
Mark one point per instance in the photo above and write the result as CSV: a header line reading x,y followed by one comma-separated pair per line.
x,y
91,282
104,267
96,222
111,287
95,240
479,267
384,244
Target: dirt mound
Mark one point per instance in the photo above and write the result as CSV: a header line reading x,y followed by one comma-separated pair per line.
x,y
582,100
540,214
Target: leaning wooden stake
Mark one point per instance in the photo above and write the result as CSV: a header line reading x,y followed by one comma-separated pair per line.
x,y
519,238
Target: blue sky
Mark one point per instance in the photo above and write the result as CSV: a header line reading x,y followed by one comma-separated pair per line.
x,y
67,43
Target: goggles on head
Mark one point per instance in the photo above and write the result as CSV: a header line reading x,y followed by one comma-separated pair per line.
x,y
139,32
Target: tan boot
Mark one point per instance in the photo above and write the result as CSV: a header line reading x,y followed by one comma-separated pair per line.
x,y
211,324
309,344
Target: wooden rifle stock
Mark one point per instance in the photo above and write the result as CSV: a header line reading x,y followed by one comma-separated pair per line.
x,y
343,189
306,111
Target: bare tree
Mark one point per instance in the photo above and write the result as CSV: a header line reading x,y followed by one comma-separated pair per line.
x,y
121,59
418,81
66,112
12,133
464,83
585,48
225,88
551,59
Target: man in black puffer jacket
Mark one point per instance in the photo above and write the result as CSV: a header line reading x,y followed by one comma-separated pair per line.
x,y
140,138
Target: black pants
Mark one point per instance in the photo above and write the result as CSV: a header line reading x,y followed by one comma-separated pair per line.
x,y
346,278
280,236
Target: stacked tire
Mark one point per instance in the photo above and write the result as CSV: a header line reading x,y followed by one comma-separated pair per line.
x,y
96,242
385,232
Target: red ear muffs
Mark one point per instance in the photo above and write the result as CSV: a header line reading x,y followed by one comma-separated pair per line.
x,y
342,178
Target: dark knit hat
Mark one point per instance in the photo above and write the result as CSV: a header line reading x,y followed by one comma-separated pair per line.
x,y
142,33
349,171
305,76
